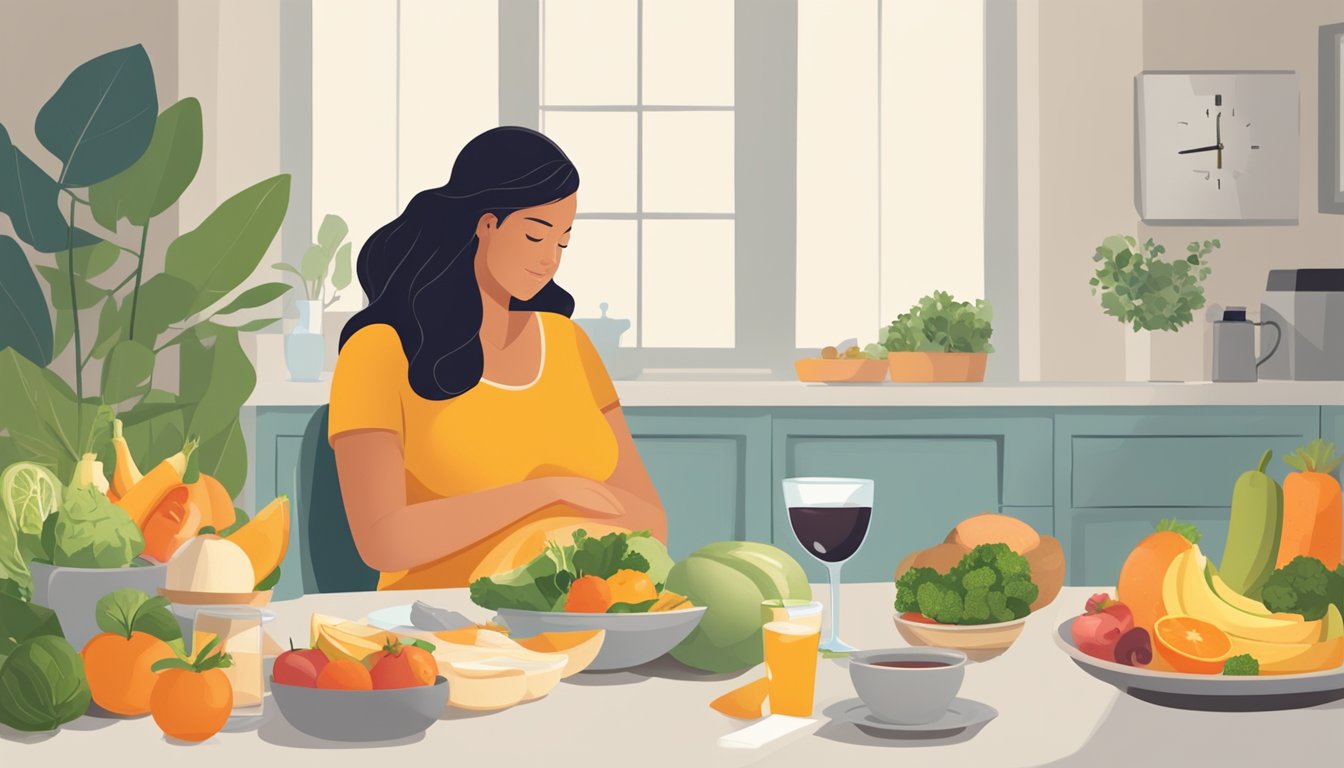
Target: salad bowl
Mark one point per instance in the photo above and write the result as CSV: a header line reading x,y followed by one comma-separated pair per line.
x,y
980,642
632,639
1213,693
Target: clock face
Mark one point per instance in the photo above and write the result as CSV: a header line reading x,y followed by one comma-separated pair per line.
x,y
1217,147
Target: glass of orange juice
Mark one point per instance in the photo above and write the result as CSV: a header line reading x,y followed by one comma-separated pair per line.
x,y
239,631
792,633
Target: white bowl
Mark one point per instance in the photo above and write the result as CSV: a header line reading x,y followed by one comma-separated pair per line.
x,y
632,638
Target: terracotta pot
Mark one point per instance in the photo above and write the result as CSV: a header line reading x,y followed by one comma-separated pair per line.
x,y
928,367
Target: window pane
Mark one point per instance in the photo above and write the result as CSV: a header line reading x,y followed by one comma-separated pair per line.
x,y
602,146
599,266
688,162
932,202
689,284
676,75
837,262
588,51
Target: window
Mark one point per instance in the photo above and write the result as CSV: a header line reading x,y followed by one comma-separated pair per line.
x,y
651,130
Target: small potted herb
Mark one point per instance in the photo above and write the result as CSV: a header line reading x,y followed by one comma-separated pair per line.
x,y
1148,293
939,339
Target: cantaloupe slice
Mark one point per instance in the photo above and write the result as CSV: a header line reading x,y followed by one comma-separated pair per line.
x,y
581,647
265,538
745,703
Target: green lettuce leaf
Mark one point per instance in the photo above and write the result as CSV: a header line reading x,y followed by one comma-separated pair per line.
x,y
92,532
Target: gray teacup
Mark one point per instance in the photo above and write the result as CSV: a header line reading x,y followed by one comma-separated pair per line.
x,y
908,695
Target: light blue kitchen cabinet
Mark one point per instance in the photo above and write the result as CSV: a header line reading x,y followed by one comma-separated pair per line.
x,y
932,468
276,455
1119,471
1332,430
712,473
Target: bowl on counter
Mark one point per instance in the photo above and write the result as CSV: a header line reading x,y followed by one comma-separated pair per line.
x,y
819,370
908,686
980,642
361,716
631,639
73,593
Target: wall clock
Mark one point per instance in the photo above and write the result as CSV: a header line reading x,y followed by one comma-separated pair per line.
x,y
1216,147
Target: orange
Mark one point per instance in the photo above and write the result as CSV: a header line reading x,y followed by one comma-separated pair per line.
x,y
345,675
588,594
119,670
402,666
189,705
629,586
1192,645
1140,585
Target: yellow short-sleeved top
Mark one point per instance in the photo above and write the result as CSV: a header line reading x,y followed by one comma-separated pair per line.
x,y
492,435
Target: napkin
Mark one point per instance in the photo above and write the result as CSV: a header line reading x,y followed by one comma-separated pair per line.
x,y
764,731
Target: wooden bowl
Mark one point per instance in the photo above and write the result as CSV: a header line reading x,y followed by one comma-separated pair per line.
x,y
841,371
184,597
980,642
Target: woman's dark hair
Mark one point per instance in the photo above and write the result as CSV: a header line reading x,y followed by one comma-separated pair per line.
x,y
419,269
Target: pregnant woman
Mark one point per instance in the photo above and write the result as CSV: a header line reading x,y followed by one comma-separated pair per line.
x,y
470,417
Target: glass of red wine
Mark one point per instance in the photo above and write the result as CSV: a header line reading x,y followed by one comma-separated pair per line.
x,y
830,516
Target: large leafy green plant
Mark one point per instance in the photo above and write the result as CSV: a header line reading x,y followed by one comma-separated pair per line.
x,y
121,160
1145,291
938,323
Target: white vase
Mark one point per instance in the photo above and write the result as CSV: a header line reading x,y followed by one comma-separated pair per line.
x,y
1138,355
304,346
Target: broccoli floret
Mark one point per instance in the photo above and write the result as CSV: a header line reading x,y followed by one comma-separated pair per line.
x,y
939,603
1303,586
1012,565
975,606
907,587
980,578
998,607
1022,589
1244,665
1019,608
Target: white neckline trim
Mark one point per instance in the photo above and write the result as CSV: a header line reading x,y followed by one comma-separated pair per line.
x,y
541,366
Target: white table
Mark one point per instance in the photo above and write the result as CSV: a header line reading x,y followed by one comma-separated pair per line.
x,y
1050,713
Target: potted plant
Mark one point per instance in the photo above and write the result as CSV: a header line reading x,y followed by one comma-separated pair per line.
x,y
1148,293
304,345
939,339
64,535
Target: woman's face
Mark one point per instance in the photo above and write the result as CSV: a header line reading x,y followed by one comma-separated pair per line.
x,y
522,254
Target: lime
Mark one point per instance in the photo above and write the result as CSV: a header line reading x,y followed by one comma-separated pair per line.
x,y
29,493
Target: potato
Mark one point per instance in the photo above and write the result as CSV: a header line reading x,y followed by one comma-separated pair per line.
x,y
940,557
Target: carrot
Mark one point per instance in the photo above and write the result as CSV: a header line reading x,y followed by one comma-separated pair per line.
x,y
1313,521
145,496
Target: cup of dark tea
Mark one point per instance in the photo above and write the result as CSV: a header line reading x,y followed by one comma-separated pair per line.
x,y
908,686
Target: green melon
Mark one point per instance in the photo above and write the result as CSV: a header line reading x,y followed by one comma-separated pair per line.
x,y
731,578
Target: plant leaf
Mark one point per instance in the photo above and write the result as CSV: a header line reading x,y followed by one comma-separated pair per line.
x,y
331,232
24,323
30,197
164,301
93,260
154,182
313,266
226,248
87,294
102,117
256,325
127,371
224,457
40,412
145,411
157,434
254,297
219,378
109,329
340,276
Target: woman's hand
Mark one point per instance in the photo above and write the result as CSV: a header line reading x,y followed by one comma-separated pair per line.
x,y
581,493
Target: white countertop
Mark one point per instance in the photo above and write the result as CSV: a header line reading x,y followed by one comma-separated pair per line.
x,y
640,394
1050,713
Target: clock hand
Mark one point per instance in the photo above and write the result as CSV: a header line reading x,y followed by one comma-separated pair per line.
x,y
1218,127
1210,148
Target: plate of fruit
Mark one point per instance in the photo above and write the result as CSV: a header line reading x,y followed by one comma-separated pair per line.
x,y
845,364
613,583
1262,629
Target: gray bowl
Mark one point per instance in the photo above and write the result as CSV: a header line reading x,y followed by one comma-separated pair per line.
x,y
632,638
380,715
73,593
906,695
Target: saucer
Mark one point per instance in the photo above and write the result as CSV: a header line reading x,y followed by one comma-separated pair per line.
x,y
960,715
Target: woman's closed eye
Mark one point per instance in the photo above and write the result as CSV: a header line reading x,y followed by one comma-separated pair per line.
x,y
533,239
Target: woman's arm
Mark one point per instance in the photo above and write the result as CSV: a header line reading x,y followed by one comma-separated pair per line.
x,y
631,484
392,535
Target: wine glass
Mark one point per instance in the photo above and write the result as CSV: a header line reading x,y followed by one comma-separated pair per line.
x,y
830,516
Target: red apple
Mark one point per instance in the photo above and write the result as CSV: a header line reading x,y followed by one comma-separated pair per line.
x,y
1099,630
299,667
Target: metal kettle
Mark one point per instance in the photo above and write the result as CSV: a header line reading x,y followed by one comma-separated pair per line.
x,y
1234,346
